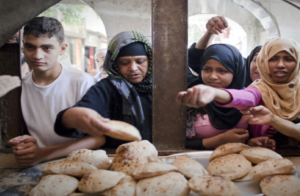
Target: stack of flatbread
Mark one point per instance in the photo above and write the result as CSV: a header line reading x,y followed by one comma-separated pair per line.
x,y
239,162
136,170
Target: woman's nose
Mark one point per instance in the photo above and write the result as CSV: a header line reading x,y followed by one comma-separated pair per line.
x,y
133,66
213,75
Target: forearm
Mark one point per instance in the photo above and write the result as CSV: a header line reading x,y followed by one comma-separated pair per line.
x,y
205,40
62,150
69,118
286,127
222,96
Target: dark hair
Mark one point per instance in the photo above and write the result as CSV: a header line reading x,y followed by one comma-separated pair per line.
x,y
45,26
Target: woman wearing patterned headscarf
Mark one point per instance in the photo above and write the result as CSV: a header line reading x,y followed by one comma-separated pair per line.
x,y
222,66
125,95
278,90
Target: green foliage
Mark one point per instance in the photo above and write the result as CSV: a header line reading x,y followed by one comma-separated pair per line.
x,y
66,13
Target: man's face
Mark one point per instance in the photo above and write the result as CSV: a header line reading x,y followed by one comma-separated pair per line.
x,y
99,59
42,52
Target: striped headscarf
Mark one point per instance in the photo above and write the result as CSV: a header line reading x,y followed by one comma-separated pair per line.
x,y
131,100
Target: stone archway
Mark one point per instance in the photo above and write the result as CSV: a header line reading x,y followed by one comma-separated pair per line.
x,y
265,18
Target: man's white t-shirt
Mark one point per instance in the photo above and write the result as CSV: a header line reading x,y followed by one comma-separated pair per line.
x,y
41,104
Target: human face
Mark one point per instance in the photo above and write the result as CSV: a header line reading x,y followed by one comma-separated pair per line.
x,y
254,74
42,52
215,74
133,68
99,59
282,66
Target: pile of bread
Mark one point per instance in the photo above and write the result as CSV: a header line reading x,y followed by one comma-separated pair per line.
x,y
136,170
239,162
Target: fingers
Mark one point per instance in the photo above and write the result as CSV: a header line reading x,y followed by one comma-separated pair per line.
x,y
259,109
216,25
272,144
244,137
246,111
23,138
24,149
180,97
8,83
100,126
240,131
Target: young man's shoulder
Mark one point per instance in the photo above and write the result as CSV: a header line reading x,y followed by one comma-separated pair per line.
x,y
76,74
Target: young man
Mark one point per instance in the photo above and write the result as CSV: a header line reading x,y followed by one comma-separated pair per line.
x,y
48,89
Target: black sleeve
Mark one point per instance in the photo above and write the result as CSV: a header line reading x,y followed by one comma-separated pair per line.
x,y
195,144
194,58
97,98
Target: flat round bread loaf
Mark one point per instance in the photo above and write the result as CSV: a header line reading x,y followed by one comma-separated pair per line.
x,y
213,185
258,154
189,167
248,177
97,158
126,187
123,131
168,184
226,149
280,185
72,168
272,167
131,155
53,185
232,166
99,181
152,169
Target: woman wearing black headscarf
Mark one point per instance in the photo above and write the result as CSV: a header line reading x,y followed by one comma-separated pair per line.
x,y
125,95
222,66
252,71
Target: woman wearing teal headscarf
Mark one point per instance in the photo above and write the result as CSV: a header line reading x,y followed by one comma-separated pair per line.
x,y
125,95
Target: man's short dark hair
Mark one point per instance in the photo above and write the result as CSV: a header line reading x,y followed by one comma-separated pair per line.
x,y
45,26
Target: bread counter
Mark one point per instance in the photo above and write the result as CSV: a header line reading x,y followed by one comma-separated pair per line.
x,y
18,181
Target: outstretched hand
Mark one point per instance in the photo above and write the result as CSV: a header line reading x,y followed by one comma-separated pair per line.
x,y
197,96
235,135
7,83
216,25
263,142
86,120
258,115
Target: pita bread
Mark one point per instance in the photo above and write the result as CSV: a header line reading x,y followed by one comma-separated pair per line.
x,y
131,155
126,187
258,154
213,185
99,181
72,168
226,149
152,169
247,177
232,166
272,167
53,185
97,158
280,185
189,167
123,131
171,183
